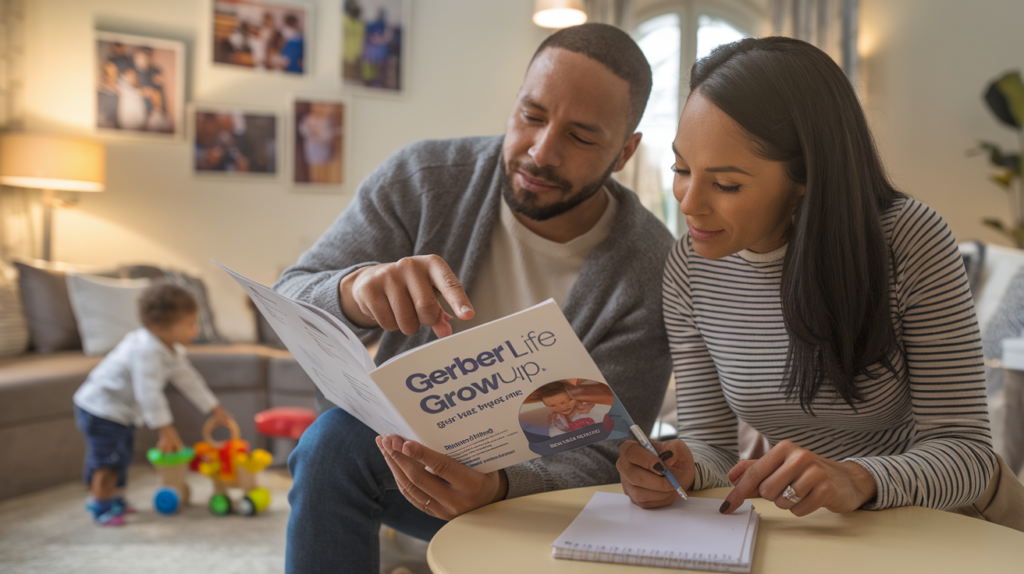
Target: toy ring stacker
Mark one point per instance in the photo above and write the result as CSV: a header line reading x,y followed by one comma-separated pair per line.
x,y
230,464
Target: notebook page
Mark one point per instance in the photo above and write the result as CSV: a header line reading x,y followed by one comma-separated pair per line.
x,y
693,529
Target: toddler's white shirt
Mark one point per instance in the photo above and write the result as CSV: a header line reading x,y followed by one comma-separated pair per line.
x,y
127,387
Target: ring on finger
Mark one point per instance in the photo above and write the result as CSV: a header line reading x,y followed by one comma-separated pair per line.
x,y
427,503
790,495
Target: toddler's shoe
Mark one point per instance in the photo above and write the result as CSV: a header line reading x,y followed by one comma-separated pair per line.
x,y
126,507
105,512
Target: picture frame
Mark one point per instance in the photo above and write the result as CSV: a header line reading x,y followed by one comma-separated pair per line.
x,y
319,143
375,40
235,142
269,36
138,87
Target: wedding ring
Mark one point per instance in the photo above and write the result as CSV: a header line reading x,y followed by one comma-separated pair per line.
x,y
790,495
427,504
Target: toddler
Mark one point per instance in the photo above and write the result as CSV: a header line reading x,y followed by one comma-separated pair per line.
x,y
127,389
567,413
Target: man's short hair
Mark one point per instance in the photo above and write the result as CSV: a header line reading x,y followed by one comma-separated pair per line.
x,y
617,51
164,304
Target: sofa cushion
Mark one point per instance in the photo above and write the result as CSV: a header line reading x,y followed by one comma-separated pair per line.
x,y
40,454
39,386
44,297
284,374
237,366
105,309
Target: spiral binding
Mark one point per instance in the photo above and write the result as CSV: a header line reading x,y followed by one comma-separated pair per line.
x,y
642,557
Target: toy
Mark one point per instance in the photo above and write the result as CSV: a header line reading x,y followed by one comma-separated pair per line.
x,y
284,422
230,464
172,466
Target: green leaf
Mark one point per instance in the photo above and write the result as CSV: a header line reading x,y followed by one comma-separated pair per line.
x,y
995,224
995,153
1012,88
1003,180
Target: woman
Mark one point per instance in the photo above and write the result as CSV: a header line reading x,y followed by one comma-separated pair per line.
x,y
813,301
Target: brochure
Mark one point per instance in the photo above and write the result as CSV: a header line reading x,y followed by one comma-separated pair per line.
x,y
511,390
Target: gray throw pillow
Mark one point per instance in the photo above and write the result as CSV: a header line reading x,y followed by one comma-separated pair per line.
x,y
44,298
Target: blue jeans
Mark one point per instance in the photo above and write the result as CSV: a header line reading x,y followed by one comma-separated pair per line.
x,y
343,490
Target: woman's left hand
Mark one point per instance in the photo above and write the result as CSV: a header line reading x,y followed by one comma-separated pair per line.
x,y
819,482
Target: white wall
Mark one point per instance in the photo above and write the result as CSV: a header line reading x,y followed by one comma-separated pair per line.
x,y
467,59
926,64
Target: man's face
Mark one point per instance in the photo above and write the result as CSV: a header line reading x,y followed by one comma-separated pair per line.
x,y
565,134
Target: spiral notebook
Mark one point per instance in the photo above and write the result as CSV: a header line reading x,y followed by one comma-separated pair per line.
x,y
688,534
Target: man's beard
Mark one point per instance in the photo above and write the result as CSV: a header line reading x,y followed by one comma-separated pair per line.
x,y
528,204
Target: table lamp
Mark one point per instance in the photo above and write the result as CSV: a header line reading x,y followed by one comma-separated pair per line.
x,y
51,163
558,13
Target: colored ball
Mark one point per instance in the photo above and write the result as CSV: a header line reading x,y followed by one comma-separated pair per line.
x,y
220,504
166,500
260,497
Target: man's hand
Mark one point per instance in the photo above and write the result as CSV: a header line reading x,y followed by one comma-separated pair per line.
x,y
168,440
643,474
437,484
820,482
400,295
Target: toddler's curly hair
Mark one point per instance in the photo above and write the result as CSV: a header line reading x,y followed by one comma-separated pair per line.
x,y
164,304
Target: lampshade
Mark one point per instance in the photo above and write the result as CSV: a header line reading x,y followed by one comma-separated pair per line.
x,y
558,13
52,162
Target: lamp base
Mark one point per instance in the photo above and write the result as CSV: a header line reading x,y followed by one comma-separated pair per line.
x,y
48,201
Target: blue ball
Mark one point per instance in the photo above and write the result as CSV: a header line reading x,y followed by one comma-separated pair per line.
x,y
166,500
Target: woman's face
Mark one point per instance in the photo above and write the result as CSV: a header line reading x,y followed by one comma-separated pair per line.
x,y
732,198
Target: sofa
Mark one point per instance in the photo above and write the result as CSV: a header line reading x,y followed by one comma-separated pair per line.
x,y
41,447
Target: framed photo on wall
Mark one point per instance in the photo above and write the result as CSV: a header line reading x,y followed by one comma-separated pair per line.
x,y
374,45
234,141
264,36
139,86
320,143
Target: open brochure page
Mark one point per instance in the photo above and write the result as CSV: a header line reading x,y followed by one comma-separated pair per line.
x,y
511,390
331,355
504,392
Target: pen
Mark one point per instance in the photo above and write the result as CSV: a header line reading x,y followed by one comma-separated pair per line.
x,y
642,439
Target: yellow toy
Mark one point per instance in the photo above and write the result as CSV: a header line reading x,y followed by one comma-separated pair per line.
x,y
230,464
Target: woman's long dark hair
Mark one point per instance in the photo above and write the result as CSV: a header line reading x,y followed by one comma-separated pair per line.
x,y
799,108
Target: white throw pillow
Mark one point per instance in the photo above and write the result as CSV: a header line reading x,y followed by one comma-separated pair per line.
x,y
106,309
13,327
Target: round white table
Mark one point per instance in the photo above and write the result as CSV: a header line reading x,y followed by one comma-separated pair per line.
x,y
514,536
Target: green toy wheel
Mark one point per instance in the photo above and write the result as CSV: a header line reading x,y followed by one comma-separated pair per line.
x,y
220,504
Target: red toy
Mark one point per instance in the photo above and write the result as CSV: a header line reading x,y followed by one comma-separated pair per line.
x,y
284,422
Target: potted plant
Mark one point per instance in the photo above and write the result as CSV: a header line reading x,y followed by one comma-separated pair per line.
x,y
1005,97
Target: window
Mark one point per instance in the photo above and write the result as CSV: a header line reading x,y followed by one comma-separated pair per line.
x,y
673,37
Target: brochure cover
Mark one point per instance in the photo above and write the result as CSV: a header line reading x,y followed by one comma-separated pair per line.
x,y
511,390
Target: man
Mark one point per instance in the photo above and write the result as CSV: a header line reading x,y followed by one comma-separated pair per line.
x,y
516,219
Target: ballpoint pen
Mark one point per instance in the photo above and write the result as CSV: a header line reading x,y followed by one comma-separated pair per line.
x,y
641,438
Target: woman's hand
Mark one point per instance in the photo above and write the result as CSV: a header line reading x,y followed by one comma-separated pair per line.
x,y
819,482
643,474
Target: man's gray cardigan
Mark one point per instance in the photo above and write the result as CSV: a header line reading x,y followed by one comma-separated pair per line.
x,y
442,197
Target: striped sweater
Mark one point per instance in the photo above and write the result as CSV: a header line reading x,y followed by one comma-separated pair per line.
x,y
922,433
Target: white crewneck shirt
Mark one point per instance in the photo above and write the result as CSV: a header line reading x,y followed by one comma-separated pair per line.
x,y
523,269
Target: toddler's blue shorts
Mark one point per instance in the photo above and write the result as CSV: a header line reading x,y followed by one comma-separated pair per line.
x,y
107,445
